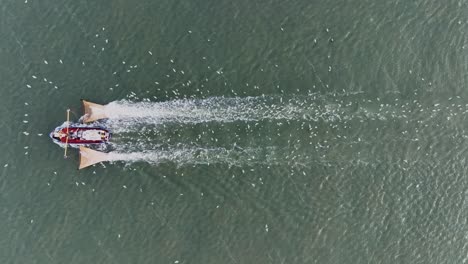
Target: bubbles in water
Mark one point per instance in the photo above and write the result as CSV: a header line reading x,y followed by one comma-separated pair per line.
x,y
126,115
192,156
150,131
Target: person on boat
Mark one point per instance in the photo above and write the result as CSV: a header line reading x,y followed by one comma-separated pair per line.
x,y
59,135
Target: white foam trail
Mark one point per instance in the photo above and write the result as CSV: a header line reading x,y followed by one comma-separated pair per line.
x,y
186,156
203,110
126,115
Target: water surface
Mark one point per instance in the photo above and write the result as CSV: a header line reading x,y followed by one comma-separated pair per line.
x,y
271,131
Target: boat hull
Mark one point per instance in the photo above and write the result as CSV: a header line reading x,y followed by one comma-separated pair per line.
x,y
79,135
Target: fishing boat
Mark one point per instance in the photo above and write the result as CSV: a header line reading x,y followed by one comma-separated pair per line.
x,y
84,134
75,135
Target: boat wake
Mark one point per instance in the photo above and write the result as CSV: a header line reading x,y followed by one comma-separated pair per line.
x,y
127,115
198,156
186,131
273,130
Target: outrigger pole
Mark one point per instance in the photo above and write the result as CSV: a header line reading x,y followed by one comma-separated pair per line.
x,y
68,126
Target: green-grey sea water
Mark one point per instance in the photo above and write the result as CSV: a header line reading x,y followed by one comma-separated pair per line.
x,y
253,131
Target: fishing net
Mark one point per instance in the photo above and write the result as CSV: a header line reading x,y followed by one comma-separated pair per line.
x,y
89,157
93,112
